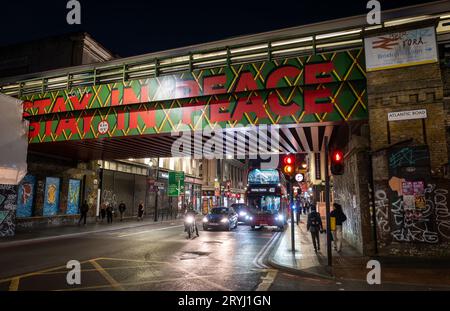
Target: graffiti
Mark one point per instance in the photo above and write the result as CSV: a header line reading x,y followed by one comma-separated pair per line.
x,y
407,157
8,201
437,199
412,225
25,197
108,196
381,207
51,201
73,199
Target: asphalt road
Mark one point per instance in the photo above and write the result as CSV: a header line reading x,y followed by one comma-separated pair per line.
x,y
153,257
160,257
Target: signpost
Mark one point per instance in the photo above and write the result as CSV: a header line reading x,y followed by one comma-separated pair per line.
x,y
176,184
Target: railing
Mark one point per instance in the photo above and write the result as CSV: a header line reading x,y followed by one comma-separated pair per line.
x,y
129,69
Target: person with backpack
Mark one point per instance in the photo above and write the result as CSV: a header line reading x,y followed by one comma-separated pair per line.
x,y
339,218
314,225
122,208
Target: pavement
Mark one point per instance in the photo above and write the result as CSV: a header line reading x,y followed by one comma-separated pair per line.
x,y
350,265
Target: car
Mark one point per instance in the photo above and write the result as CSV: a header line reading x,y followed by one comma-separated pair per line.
x,y
242,210
222,218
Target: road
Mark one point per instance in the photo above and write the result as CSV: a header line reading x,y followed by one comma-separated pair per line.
x,y
160,257
153,257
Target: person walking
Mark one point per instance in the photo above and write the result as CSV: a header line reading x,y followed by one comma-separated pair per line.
x,y
141,211
122,208
298,210
103,211
109,213
83,212
314,226
339,218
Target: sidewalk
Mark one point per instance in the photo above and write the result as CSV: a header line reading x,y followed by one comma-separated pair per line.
x,y
46,234
349,264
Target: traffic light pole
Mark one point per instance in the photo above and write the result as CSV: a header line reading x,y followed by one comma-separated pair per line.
x,y
327,203
291,201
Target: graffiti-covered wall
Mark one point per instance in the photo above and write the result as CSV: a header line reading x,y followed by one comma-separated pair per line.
x,y
8,199
411,206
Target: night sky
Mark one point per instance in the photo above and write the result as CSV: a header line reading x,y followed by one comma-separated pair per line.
x,y
132,27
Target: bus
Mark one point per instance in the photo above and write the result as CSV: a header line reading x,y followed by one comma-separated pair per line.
x,y
267,198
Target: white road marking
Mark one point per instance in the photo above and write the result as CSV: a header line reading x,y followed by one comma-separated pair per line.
x,y
267,280
146,231
258,261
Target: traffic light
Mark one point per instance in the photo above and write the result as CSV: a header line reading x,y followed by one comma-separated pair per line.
x,y
337,162
289,165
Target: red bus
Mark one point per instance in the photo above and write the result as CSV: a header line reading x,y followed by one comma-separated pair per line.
x,y
267,198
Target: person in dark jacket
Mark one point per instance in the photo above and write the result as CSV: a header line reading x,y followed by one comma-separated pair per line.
x,y
109,213
103,211
141,211
83,212
314,225
340,218
122,209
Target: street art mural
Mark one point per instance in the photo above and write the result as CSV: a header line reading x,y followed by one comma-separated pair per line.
x,y
412,206
8,205
51,196
73,197
316,88
25,196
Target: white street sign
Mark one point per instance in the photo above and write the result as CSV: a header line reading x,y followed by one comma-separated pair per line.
x,y
407,115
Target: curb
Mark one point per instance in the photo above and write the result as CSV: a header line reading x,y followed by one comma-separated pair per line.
x,y
292,270
70,235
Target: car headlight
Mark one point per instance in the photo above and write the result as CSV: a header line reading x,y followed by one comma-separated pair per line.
x,y
224,220
242,213
205,219
189,219
280,218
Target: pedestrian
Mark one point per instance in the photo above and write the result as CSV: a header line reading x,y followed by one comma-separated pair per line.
x,y
314,225
122,208
83,212
298,210
103,211
141,210
109,213
339,218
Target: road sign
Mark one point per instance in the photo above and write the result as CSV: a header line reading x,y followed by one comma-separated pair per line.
x,y
299,177
176,184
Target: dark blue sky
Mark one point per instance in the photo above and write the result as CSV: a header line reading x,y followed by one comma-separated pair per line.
x,y
132,27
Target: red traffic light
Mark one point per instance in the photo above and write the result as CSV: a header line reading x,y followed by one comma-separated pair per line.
x,y
288,164
337,156
288,160
337,162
